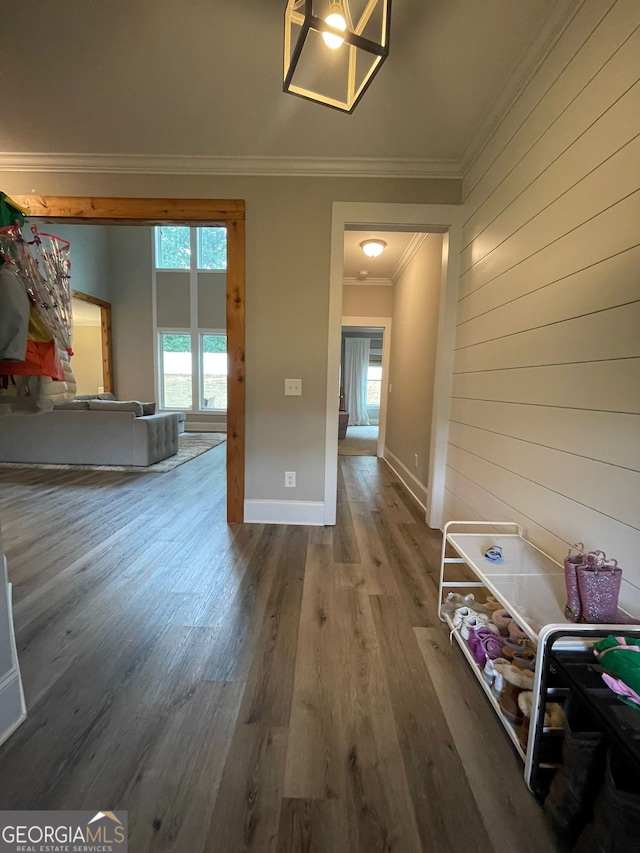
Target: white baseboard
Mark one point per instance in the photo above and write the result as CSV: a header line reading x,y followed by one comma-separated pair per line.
x,y
409,480
284,512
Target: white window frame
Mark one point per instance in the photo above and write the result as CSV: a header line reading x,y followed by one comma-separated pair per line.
x,y
197,369
160,368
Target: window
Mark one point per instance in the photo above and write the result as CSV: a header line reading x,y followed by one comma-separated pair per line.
x,y
176,370
213,349
173,247
190,317
374,384
212,248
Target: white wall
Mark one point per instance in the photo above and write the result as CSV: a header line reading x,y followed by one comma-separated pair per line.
x,y
545,419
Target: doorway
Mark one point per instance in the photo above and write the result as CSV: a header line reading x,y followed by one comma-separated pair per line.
x,y
157,211
442,219
367,439
92,360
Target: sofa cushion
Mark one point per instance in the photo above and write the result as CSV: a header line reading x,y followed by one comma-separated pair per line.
x,y
106,395
116,406
148,408
73,405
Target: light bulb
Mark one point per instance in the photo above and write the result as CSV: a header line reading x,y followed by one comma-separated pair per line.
x,y
335,19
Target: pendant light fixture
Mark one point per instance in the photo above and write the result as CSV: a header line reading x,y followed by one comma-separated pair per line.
x,y
333,50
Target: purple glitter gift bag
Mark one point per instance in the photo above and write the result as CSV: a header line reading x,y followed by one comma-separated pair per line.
x,y
599,587
573,608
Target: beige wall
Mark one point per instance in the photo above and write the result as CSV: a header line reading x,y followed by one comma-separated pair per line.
x,y
367,300
288,260
413,349
546,392
86,361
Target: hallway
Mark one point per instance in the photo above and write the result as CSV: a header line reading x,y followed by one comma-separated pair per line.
x,y
248,688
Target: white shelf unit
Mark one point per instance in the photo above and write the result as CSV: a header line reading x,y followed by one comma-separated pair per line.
x,y
531,587
12,705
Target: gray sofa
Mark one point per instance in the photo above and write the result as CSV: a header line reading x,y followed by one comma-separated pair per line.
x,y
83,437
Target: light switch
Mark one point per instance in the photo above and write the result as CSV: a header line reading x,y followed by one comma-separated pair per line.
x,y
293,387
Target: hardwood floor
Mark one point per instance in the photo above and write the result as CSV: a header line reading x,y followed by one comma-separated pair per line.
x,y
248,688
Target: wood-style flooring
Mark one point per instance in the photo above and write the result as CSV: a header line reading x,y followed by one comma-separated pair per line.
x,y
248,688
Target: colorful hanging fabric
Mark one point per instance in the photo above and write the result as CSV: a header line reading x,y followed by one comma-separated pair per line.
x,y
620,658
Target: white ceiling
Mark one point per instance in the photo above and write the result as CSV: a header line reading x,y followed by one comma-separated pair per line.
x,y
204,77
382,267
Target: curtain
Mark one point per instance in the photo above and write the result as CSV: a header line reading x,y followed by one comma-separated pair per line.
x,y
356,363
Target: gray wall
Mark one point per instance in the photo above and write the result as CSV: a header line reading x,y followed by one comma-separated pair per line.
x,y
89,257
287,261
132,318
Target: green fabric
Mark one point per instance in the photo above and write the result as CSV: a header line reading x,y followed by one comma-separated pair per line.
x,y
621,663
9,214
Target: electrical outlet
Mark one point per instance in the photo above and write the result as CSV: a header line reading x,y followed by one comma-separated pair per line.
x,y
293,387
415,460
290,479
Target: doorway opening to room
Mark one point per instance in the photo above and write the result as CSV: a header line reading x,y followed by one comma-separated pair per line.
x,y
419,297
92,359
362,389
188,213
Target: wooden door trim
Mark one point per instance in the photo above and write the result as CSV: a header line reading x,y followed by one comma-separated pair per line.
x,y
198,211
105,332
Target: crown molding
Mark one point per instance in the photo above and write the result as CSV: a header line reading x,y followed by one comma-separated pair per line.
x,y
407,256
541,45
372,282
184,164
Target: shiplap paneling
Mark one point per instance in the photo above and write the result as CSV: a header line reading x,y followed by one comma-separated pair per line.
x,y
469,501
604,236
616,178
546,394
568,475
604,386
559,515
616,331
547,174
614,281
596,33
604,436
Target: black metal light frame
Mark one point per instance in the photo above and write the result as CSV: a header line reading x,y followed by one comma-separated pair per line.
x,y
307,21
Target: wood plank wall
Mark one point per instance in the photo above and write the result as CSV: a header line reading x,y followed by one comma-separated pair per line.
x,y
545,425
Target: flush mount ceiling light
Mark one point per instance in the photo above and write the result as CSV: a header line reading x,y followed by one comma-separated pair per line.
x,y
373,248
333,50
